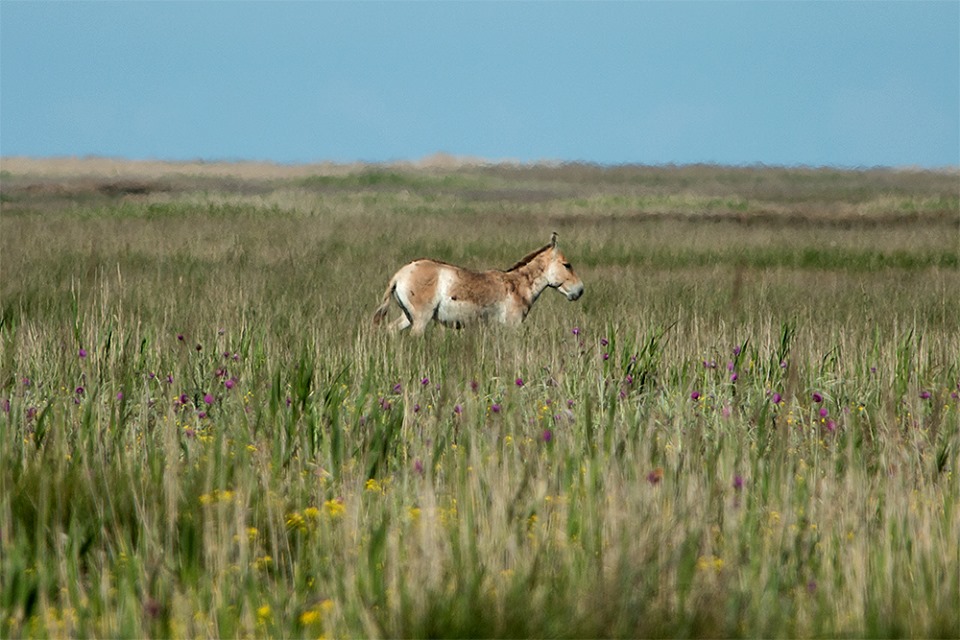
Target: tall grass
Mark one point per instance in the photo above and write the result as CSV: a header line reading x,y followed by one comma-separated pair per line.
x,y
747,427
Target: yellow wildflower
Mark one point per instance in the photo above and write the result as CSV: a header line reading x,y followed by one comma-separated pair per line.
x,y
334,508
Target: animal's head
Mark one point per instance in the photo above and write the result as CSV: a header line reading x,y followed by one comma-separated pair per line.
x,y
560,274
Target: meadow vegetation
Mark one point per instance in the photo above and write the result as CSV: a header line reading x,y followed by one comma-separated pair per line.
x,y
748,426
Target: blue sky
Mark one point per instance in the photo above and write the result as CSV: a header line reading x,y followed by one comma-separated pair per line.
x,y
789,83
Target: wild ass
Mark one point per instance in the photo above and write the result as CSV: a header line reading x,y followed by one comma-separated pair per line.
x,y
433,290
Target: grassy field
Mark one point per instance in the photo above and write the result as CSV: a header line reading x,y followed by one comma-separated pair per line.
x,y
748,426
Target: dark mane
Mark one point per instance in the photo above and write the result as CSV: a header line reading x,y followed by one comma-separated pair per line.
x,y
528,258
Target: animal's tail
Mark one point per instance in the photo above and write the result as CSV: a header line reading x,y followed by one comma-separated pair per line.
x,y
381,311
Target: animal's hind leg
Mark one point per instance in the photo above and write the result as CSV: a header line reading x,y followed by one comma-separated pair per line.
x,y
420,324
400,323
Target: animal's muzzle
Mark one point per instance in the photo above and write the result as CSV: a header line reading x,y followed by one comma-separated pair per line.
x,y
574,293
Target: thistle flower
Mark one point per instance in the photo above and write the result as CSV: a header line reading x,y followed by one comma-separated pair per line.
x,y
495,407
576,331
776,398
655,476
604,342
925,395
83,352
547,435
424,381
229,383
208,398
397,388
519,382
817,397
695,395
737,482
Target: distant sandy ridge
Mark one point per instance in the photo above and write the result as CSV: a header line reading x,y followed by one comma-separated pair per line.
x,y
93,166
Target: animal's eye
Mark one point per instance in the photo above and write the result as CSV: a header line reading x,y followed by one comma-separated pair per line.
x,y
568,266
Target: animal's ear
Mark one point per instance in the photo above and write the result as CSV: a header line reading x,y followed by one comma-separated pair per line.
x,y
553,239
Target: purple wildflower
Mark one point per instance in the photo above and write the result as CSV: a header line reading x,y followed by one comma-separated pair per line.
x,y
604,342
229,383
183,398
457,409
709,364
547,435
83,353
606,356
519,382
424,381
397,388
736,350
474,385
733,377
208,398
418,466
817,397
925,395
119,395
495,407
79,391
824,412
576,331
777,398
31,413
655,476
737,482
695,395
